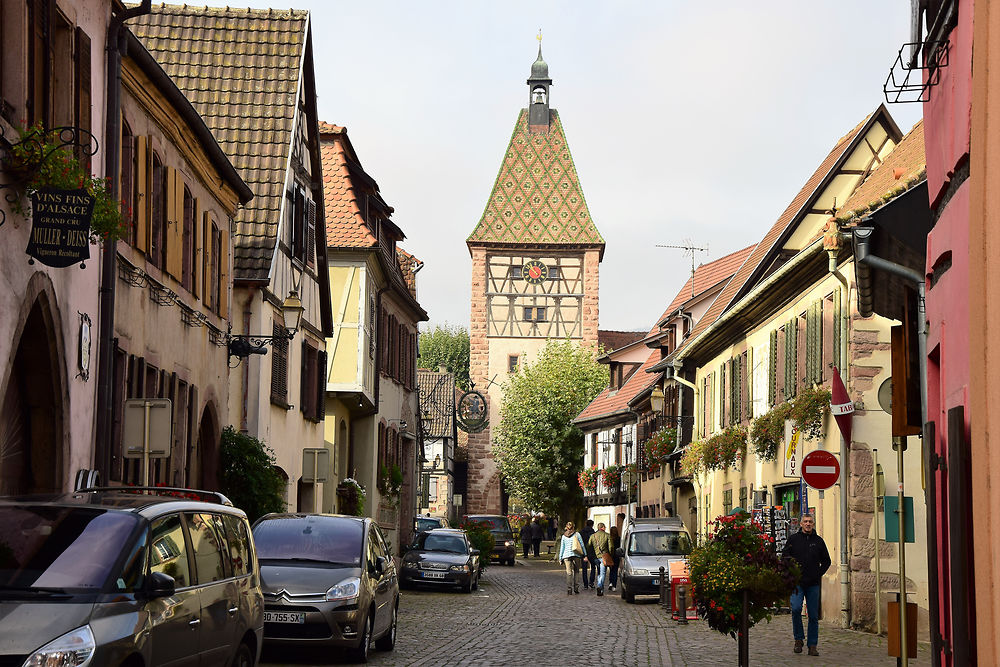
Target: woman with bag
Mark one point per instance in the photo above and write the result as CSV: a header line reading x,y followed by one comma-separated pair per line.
x,y
600,544
571,552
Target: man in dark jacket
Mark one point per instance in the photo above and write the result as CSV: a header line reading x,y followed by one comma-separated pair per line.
x,y
536,536
810,551
590,566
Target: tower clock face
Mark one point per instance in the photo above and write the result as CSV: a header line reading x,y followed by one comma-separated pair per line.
x,y
534,272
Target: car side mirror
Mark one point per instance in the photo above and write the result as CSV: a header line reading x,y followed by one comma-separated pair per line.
x,y
619,552
474,552
161,585
380,565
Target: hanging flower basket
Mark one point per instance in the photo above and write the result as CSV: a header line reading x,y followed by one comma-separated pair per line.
x,y
736,557
587,478
611,477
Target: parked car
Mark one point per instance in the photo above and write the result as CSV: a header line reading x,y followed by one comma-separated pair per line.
x,y
328,580
441,557
119,577
422,523
503,536
648,544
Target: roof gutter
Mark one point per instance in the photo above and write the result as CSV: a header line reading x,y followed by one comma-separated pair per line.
x,y
808,253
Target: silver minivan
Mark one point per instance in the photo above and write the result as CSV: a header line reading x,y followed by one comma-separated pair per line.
x,y
114,577
648,544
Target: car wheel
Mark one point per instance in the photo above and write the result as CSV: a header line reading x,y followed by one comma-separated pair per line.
x,y
629,595
243,657
387,641
621,587
467,587
365,645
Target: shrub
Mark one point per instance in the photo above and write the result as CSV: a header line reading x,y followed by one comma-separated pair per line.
x,y
481,538
248,476
351,497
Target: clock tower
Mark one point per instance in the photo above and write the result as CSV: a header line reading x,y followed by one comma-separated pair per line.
x,y
535,265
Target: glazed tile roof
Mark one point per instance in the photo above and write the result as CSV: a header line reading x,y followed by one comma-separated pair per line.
x,y
240,69
537,198
763,250
345,226
705,277
614,340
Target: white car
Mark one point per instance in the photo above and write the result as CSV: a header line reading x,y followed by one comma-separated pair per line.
x,y
648,544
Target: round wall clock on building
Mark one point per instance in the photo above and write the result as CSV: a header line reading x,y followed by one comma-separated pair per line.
x,y
535,272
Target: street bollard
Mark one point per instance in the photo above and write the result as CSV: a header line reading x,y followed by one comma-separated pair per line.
x,y
682,603
663,587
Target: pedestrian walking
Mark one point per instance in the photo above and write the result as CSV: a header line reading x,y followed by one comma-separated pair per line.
x,y
600,544
571,553
616,560
536,536
553,528
589,567
525,539
810,551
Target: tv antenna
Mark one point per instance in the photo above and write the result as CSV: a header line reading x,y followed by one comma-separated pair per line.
x,y
689,249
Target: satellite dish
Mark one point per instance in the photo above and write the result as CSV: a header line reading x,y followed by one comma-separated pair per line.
x,y
885,395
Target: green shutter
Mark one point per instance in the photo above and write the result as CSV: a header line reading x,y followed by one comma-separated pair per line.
x,y
812,324
772,369
791,356
837,361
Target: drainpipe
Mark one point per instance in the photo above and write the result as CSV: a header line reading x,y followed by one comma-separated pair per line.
x,y
114,48
677,366
845,569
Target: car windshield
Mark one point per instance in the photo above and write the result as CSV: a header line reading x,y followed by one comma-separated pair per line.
x,y
659,543
330,540
452,544
427,524
43,547
498,524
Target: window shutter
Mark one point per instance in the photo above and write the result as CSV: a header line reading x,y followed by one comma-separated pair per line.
x,y
746,386
311,234
279,364
175,224
810,333
790,331
81,115
197,270
206,259
837,360
321,385
772,370
225,261
722,395
304,385
39,67
143,185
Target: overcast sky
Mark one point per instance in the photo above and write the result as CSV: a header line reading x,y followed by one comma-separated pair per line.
x,y
689,122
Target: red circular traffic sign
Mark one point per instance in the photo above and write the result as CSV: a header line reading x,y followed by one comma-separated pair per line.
x,y
820,469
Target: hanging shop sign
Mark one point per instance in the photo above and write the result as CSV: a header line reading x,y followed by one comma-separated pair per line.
x,y
793,446
60,227
471,414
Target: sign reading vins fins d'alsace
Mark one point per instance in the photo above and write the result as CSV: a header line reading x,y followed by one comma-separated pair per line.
x,y
60,226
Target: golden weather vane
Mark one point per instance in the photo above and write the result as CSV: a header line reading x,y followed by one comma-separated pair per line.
x,y
539,36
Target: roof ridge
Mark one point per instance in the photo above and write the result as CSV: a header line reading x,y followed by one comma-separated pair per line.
x,y
186,9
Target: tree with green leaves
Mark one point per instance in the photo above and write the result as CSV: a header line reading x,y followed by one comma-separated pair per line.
x,y
248,476
446,346
536,445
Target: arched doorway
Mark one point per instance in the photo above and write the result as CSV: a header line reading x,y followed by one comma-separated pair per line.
x,y
207,463
31,412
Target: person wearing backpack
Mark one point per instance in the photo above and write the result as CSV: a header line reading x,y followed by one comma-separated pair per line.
x,y
571,553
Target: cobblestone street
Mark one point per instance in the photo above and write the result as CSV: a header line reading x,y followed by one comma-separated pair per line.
x,y
526,606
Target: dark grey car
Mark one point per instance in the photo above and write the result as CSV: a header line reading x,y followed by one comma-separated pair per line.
x,y
441,557
503,536
328,580
113,577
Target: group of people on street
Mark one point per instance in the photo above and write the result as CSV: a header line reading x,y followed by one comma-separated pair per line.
x,y
591,552
531,537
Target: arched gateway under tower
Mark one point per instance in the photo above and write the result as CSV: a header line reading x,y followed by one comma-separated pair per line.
x,y
535,268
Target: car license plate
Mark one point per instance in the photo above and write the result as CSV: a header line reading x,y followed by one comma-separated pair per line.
x,y
433,575
284,617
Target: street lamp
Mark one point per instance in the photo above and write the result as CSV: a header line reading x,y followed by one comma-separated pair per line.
x,y
242,346
656,399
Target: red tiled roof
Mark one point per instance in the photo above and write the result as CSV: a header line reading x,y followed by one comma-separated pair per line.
x,y
407,263
614,340
906,161
608,403
345,227
762,251
708,276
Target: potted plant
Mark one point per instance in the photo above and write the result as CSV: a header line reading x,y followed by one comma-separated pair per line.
x,y
809,408
738,557
611,477
350,497
587,478
692,459
768,430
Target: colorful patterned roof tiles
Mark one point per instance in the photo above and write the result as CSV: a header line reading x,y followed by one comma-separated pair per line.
x,y
537,198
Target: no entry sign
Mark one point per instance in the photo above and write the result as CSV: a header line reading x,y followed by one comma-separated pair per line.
x,y
820,469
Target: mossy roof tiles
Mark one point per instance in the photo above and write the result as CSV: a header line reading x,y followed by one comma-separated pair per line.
x,y
537,198
240,69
